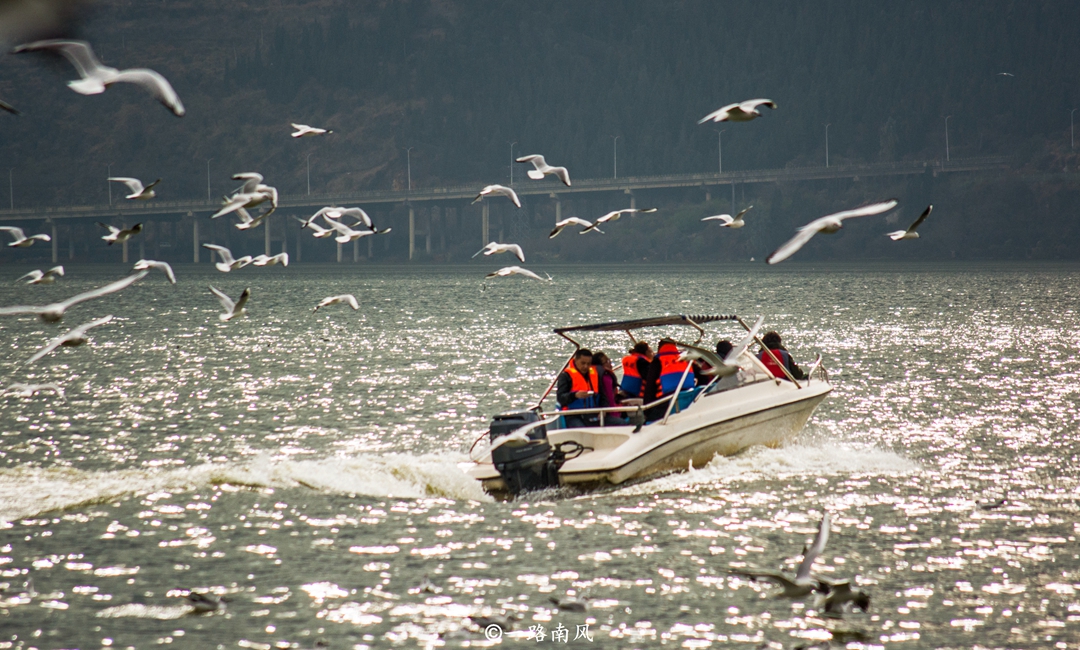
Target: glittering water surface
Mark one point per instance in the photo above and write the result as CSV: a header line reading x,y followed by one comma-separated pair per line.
x,y
305,466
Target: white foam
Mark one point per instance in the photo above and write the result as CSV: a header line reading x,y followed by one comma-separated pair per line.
x,y
792,460
26,492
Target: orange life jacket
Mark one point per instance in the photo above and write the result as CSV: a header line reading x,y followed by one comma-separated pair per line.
x,y
632,381
579,383
672,369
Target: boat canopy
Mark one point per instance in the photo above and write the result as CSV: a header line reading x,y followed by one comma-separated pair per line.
x,y
659,321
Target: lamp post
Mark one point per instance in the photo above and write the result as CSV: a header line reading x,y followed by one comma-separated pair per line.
x,y
720,150
208,199
309,173
1072,140
827,145
947,137
108,175
512,163
615,142
408,163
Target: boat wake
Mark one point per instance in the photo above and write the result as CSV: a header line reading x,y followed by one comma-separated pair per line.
x,y
758,463
27,492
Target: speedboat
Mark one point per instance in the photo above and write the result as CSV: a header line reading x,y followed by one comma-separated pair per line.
x,y
534,449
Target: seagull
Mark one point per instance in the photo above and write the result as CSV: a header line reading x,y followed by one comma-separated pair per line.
x,y
515,270
320,232
803,584
251,194
910,232
71,338
347,234
1005,74
247,222
227,262
137,190
143,265
232,309
9,108
356,213
96,77
614,216
303,130
21,240
740,112
271,260
492,190
729,222
346,298
38,277
827,224
570,604
204,603
29,390
494,249
542,169
118,235
55,312
840,594
576,222
727,365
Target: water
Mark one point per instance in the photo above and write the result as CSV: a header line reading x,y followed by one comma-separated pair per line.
x,y
306,466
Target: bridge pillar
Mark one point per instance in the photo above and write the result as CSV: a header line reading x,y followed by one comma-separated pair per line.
x,y
71,242
55,243
299,238
708,195
339,253
558,207
195,241
633,199
484,216
412,231
266,236
370,247
142,247
124,259
427,231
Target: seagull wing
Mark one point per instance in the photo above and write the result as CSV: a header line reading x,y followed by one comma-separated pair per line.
x,y
103,291
235,203
226,302
9,108
351,300
758,574
719,115
922,218
743,211
78,53
516,250
792,246
155,84
164,266
50,346
16,232
726,218
225,253
815,549
134,184
863,211
526,272
751,105
564,175
747,340
112,229
36,274
536,159
708,356
242,301
18,311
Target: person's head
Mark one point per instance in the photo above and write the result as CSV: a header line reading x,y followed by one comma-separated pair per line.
x,y
664,341
723,347
601,359
583,359
771,340
642,348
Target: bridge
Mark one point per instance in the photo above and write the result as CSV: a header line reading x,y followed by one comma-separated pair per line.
x,y
460,196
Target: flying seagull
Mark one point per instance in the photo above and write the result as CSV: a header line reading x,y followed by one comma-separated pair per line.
x,y
71,338
740,112
356,213
38,277
143,265
227,262
842,593
346,298
119,235
347,234
9,108
910,232
29,390
573,221
320,232
803,584
232,309
271,260
492,190
247,222
138,192
729,222
21,240
541,168
96,77
515,270
1005,74
303,130
251,194
728,365
204,603
54,312
614,216
494,249
827,224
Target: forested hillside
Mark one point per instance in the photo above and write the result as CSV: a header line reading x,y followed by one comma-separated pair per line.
x,y
460,82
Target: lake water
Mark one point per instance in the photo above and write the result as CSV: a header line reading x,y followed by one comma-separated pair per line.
x,y
306,466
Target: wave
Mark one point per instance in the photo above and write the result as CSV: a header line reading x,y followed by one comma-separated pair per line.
x,y
790,460
27,492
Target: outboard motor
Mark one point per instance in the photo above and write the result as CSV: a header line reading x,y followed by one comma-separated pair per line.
x,y
524,466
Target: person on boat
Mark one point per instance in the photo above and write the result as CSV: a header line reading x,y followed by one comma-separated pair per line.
x,y
606,374
578,387
635,367
665,373
701,372
773,343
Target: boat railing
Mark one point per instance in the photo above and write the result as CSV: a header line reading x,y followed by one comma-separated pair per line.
x,y
817,371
